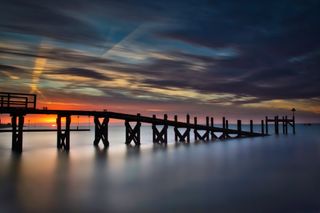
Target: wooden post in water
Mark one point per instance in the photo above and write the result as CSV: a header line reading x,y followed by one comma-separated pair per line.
x,y
188,128
239,129
207,131
276,125
63,136
213,136
283,126
267,128
162,135
286,125
101,131
17,122
251,126
262,127
176,128
133,134
195,129
293,125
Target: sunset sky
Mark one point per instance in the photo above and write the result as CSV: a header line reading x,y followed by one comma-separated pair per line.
x,y
240,59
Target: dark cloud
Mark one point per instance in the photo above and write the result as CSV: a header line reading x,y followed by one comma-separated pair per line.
x,y
74,71
277,43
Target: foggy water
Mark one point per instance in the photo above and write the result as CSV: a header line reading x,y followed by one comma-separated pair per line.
x,y
265,174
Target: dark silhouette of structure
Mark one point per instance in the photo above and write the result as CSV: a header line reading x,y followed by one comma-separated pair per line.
x,y
17,105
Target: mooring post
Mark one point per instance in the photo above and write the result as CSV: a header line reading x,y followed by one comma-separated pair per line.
x,y
223,135
251,126
239,128
262,127
293,125
63,136
267,128
153,128
207,131
283,126
276,125
195,129
286,118
17,122
101,131
227,129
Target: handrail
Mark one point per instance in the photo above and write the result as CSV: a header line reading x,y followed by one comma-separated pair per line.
x,y
18,100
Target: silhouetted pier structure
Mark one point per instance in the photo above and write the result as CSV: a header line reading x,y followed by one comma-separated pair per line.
x,y
19,105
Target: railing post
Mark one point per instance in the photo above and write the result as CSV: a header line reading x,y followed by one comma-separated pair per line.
x,y
35,101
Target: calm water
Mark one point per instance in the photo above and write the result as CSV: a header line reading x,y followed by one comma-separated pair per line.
x,y
270,174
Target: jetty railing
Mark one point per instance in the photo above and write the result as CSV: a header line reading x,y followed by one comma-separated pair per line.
x,y
18,100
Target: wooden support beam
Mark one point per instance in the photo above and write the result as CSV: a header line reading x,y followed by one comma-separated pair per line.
x,y
133,134
63,135
162,135
283,126
185,137
223,135
213,136
17,122
198,135
101,131
286,126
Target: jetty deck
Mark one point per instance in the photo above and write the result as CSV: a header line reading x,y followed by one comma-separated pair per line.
x,y
18,105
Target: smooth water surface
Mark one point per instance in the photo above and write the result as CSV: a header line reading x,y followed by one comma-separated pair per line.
x,y
265,174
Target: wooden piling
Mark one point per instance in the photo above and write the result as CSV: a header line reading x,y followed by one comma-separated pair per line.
x,y
17,122
63,135
267,128
101,131
276,125
239,128
262,127
251,126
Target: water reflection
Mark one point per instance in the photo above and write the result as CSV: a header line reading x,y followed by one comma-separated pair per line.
x,y
253,174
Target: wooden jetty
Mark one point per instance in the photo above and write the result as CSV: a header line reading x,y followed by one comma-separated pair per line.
x,y
18,105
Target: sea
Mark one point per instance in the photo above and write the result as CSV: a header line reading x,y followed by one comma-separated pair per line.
x,y
276,173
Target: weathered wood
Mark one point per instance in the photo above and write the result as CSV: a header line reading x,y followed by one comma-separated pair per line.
x,y
63,135
101,131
